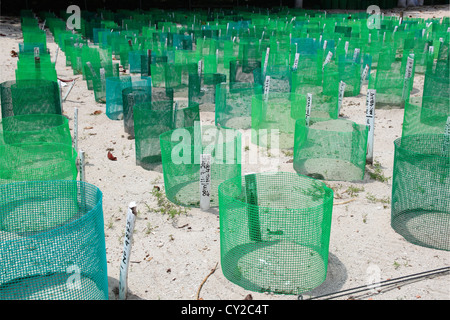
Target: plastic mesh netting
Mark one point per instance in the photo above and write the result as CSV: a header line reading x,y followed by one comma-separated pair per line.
x,y
273,118
52,243
37,161
420,209
181,150
151,119
330,149
29,97
233,104
35,128
275,231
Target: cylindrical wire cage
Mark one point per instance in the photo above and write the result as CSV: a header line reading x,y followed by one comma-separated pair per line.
x,y
181,150
275,231
37,161
330,149
35,128
420,206
52,242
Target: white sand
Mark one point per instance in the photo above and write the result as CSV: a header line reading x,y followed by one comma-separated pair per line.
x,y
171,258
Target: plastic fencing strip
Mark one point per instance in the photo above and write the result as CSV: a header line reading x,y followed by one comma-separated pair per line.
x,y
123,277
370,122
341,95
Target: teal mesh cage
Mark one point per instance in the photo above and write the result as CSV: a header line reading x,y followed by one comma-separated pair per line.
x,y
52,242
114,89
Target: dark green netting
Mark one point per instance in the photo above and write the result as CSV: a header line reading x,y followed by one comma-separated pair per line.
x,y
52,241
330,149
233,104
273,119
133,96
35,128
242,70
37,161
420,209
202,89
114,88
275,232
30,97
96,76
155,118
180,152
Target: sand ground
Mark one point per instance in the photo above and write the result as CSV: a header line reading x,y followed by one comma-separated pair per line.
x,y
171,257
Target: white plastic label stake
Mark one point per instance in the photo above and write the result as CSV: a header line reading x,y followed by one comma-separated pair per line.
x,y
325,44
266,60
356,54
295,66
82,166
266,88
205,181
123,277
75,129
346,46
200,68
364,73
408,75
341,95
370,122
308,107
327,59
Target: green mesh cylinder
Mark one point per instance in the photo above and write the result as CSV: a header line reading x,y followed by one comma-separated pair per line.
x,y
133,96
52,242
275,232
273,119
350,73
420,206
114,89
242,70
423,120
330,149
202,89
35,128
181,150
233,104
30,97
151,119
37,161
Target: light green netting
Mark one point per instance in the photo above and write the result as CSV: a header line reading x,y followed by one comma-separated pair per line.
x,y
420,208
275,232
35,128
181,150
37,161
330,149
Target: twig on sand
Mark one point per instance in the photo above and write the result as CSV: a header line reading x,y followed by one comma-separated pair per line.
x,y
345,201
204,280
